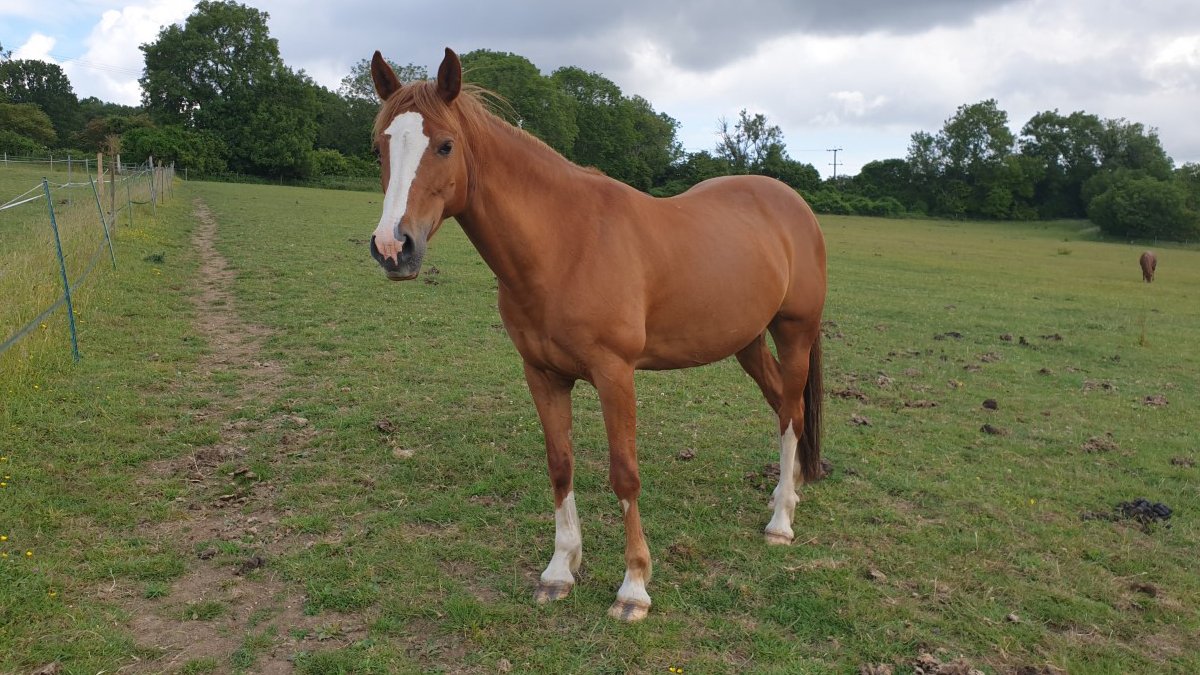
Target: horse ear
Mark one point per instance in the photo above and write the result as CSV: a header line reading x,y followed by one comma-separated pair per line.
x,y
386,82
449,82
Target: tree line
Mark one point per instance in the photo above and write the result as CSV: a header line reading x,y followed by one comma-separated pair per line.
x,y
217,97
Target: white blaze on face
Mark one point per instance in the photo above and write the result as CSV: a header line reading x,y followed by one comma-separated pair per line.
x,y
406,141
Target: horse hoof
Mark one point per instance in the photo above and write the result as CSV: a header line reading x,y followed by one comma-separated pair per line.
x,y
549,592
776,539
628,611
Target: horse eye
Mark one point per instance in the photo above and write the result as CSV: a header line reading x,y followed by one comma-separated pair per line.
x,y
445,148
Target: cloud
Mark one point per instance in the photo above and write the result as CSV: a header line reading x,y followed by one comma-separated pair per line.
x,y
113,61
858,74
697,35
36,48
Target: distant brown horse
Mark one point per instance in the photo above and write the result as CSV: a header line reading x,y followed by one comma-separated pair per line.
x,y
1149,263
597,279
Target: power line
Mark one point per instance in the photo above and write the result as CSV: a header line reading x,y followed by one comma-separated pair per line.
x,y
94,65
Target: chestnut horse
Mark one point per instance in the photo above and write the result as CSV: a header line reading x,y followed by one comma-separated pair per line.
x,y
1149,263
597,279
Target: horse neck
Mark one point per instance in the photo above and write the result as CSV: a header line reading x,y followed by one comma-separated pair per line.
x,y
514,212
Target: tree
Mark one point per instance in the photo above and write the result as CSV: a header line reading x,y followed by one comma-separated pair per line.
x,y
1130,145
1144,208
45,85
880,178
798,175
747,143
968,169
28,121
221,73
1067,150
197,151
532,101
622,136
195,73
975,140
693,168
656,146
1188,179
605,132
97,130
359,86
277,137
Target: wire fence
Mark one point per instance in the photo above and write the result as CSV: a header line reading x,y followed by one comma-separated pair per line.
x,y
56,232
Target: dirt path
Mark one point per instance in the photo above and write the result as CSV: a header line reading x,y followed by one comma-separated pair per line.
x,y
229,597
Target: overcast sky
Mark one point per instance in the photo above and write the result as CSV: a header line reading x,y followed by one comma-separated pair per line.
x,y
861,75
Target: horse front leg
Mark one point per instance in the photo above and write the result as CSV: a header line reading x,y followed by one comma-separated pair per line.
x,y
617,400
552,396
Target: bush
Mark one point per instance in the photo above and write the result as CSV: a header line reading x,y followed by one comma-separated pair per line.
x,y
328,162
837,203
361,167
887,207
827,201
20,146
1144,208
196,151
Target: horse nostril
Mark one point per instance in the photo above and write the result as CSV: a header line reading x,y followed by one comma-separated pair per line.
x,y
406,244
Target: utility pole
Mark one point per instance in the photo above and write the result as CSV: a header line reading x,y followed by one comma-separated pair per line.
x,y
834,163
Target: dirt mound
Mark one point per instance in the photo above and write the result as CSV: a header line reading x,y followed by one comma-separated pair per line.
x,y
1141,510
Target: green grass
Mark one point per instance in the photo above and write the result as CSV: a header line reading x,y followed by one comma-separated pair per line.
x,y
427,562
30,273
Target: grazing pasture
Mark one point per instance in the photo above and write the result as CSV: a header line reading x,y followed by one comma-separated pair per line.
x,y
270,456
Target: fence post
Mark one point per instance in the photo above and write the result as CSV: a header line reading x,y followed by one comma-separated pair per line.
x,y
99,177
100,210
62,266
112,190
129,204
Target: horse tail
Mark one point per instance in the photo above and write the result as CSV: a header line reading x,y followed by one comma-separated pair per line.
x,y
814,394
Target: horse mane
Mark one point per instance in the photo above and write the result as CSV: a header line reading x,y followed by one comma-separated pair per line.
x,y
475,109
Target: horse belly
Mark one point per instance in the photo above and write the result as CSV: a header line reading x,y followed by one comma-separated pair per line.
x,y
705,326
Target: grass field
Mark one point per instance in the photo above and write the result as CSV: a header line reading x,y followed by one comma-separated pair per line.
x,y
271,458
30,275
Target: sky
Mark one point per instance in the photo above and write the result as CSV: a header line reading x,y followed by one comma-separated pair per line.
x,y
858,75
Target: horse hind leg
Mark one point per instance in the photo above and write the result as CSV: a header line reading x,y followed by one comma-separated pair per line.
x,y
762,366
799,421
552,396
758,362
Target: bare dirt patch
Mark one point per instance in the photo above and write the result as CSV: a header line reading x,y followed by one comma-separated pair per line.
x,y
1104,443
224,597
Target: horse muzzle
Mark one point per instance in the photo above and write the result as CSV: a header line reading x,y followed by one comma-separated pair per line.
x,y
404,264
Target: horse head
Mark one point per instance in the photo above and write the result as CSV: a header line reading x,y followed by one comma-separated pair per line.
x,y
422,155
